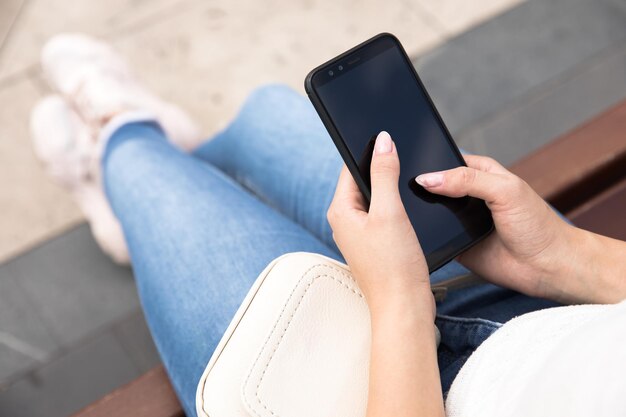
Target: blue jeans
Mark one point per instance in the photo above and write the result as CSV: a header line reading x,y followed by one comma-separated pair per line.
x,y
201,227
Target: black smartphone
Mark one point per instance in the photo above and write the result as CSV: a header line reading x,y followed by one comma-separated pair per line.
x,y
374,87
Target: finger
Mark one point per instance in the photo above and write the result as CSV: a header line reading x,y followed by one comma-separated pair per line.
x,y
384,173
465,181
347,193
484,163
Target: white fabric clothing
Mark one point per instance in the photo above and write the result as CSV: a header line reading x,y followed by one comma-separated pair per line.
x,y
566,361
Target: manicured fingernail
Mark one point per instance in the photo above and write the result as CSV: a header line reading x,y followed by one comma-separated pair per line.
x,y
383,143
433,179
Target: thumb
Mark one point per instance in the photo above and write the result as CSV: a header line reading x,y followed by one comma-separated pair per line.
x,y
384,173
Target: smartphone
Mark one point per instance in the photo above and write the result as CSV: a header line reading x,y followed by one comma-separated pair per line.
x,y
374,87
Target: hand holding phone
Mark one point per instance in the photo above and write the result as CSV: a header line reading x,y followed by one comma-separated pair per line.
x,y
532,249
372,88
377,240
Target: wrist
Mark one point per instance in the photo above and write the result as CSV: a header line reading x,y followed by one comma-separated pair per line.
x,y
563,266
404,319
414,303
598,268
586,270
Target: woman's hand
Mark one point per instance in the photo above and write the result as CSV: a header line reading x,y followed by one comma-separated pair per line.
x,y
379,244
387,261
531,249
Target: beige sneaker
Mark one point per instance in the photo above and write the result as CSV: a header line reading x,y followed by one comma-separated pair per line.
x,y
95,85
98,84
67,148
61,141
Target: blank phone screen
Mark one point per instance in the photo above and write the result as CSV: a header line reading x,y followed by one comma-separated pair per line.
x,y
377,90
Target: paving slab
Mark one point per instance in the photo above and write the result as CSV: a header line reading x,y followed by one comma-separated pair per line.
x,y
12,362
9,10
456,16
72,381
480,71
40,19
135,337
25,339
33,208
546,113
73,286
210,58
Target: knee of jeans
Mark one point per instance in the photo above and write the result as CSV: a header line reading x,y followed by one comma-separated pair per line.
x,y
271,101
272,114
121,166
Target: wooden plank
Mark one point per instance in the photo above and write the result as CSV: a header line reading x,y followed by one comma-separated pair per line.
x,y
571,169
605,214
150,395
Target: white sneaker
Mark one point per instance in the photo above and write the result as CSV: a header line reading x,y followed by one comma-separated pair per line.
x,y
67,148
99,85
61,141
96,85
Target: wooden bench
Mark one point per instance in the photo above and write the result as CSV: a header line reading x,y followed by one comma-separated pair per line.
x,y
582,174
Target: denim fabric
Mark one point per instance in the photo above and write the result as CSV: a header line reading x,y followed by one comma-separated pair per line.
x,y
201,227
459,339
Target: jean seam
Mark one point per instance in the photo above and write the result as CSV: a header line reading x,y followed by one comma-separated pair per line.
x,y
467,320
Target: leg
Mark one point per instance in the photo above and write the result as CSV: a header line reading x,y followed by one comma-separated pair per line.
x,y
197,242
278,148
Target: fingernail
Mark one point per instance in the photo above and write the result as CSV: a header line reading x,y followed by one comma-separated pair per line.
x,y
383,143
433,179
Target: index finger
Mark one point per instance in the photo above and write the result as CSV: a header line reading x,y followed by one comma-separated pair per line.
x,y
347,193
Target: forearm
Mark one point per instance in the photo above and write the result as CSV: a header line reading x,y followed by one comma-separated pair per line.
x,y
594,270
404,376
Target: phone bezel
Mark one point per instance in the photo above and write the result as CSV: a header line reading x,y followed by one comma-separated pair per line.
x,y
456,245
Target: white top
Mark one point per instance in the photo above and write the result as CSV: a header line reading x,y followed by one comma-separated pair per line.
x,y
566,361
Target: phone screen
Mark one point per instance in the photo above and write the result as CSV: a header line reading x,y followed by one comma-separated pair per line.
x,y
375,89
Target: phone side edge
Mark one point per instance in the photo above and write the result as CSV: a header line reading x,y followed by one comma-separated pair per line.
x,y
339,144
